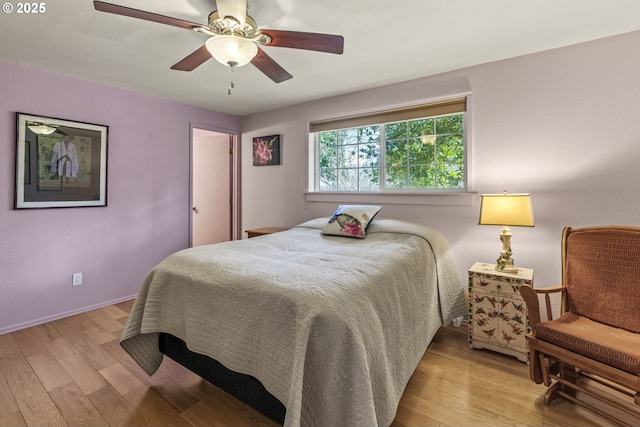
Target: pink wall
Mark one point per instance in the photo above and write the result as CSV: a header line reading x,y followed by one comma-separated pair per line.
x,y
148,210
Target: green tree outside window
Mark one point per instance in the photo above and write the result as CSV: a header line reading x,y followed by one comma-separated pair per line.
x,y
426,153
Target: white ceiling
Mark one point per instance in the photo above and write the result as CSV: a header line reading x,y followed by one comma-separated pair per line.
x,y
385,42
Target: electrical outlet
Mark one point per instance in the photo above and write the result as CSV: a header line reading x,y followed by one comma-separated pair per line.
x,y
76,279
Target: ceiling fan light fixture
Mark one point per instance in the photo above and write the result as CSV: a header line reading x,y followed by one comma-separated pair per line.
x,y
232,51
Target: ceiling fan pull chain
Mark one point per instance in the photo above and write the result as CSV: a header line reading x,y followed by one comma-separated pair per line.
x,y
231,83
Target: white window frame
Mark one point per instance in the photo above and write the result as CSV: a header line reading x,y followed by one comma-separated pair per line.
x,y
409,196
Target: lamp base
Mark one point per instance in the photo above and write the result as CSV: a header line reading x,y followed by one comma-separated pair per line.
x,y
506,267
504,262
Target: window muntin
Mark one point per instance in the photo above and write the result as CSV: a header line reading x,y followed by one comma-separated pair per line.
x,y
419,154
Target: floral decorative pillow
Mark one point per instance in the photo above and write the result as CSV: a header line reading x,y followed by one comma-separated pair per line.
x,y
351,220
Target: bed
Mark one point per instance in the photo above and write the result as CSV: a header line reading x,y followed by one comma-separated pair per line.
x,y
332,327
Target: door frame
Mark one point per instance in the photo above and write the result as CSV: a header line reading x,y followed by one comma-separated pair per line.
x,y
234,178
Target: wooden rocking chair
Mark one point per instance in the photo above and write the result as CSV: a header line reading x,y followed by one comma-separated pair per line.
x,y
595,341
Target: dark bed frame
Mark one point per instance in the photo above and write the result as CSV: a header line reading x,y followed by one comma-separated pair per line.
x,y
244,387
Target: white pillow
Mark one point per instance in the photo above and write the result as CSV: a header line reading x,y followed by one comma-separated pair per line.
x,y
351,220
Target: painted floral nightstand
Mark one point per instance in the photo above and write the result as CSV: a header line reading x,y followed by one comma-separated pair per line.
x,y
497,313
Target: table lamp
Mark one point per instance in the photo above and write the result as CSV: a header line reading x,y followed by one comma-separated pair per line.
x,y
506,210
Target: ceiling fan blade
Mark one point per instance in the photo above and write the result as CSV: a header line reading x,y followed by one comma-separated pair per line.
x,y
194,60
147,16
328,43
235,8
269,67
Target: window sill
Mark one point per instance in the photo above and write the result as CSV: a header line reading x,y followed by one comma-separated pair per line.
x,y
445,199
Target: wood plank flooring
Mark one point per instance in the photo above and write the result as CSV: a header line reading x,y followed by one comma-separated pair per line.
x,y
73,372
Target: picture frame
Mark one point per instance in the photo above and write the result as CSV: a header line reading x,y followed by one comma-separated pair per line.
x,y
60,163
266,150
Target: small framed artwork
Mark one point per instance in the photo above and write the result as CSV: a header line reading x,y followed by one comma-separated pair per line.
x,y
60,163
266,150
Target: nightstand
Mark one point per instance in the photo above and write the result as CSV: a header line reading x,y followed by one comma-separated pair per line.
x,y
497,314
262,231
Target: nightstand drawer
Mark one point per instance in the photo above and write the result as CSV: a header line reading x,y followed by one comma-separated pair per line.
x,y
496,286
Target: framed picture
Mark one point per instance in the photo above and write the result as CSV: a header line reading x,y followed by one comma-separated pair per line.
x,y
60,163
266,150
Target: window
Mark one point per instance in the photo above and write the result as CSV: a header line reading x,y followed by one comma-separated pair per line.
x,y
417,148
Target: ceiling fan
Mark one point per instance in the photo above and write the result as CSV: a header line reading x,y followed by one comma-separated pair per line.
x,y
235,38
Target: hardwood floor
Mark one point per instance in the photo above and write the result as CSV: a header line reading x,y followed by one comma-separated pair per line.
x,y
73,372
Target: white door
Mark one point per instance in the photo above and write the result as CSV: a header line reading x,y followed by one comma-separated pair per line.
x,y
211,214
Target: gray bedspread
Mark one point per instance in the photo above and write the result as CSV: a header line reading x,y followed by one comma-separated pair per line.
x,y
333,327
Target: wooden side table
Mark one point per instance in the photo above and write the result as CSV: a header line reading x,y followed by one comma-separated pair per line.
x,y
263,230
497,313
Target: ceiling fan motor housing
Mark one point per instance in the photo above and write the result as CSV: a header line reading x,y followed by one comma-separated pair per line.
x,y
229,25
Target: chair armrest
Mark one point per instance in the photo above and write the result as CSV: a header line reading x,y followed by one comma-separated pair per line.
x,y
530,296
549,290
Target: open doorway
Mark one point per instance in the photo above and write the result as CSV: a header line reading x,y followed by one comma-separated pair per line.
x,y
214,197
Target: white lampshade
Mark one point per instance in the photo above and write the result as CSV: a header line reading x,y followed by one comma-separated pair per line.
x,y
232,51
42,129
506,209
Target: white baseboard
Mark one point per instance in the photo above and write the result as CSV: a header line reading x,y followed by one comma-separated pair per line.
x,y
36,322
